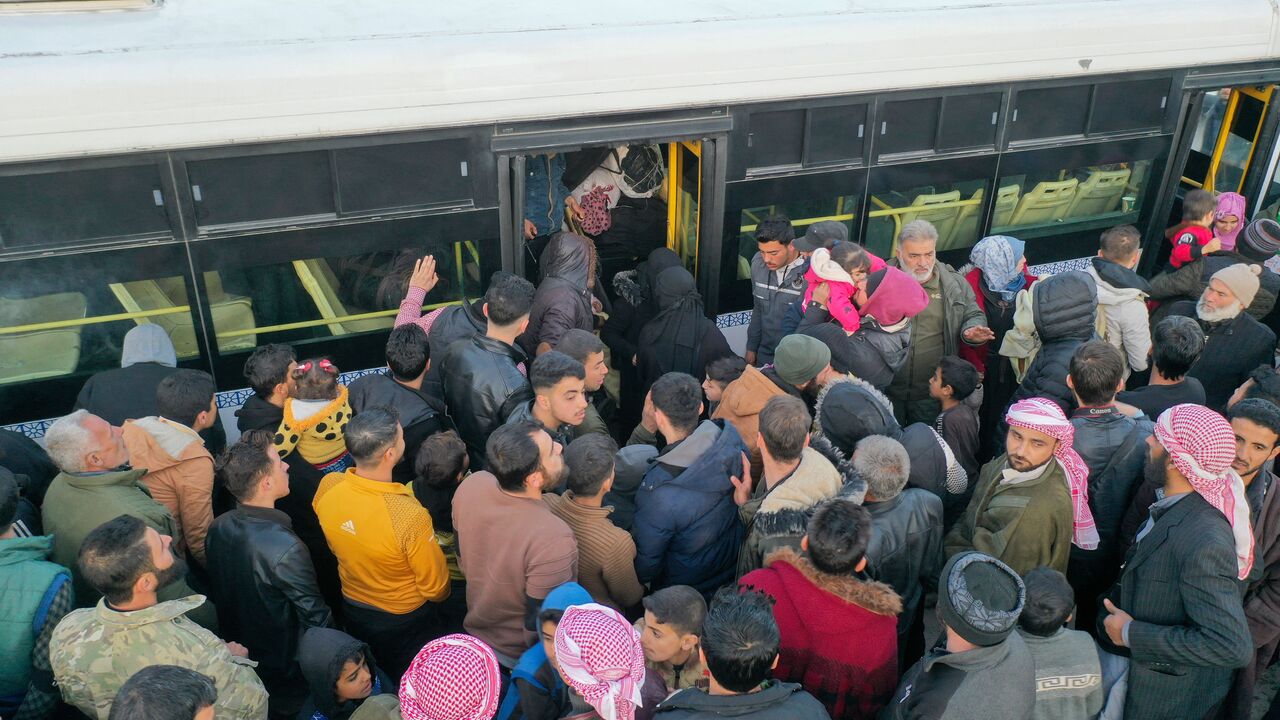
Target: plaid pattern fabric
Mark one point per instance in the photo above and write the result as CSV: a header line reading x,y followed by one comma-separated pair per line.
x,y
600,654
1202,445
1045,416
452,678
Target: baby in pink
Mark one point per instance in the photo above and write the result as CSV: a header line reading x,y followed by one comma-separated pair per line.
x,y
842,268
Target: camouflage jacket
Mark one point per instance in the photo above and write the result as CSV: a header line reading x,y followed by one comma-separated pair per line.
x,y
95,650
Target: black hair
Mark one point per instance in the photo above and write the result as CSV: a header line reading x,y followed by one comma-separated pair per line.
x,y
1120,242
740,639
8,500
513,454
113,556
552,615
726,369
679,397
1050,601
408,352
679,606
509,298
580,344
551,367
1096,369
241,467
839,532
1266,384
784,425
370,433
851,257
184,394
1197,204
438,467
775,228
590,460
1262,413
958,374
163,692
267,367
316,379
1176,344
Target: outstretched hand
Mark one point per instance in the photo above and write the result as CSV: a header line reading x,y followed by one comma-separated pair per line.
x,y
742,485
424,274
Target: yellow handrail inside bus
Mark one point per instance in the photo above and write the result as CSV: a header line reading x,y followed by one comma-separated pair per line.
x,y
78,322
326,321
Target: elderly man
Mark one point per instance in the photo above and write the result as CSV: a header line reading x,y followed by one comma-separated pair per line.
x,y
1031,503
952,316
1175,617
1235,342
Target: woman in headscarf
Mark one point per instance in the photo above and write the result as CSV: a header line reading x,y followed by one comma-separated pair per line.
x,y
1229,219
341,674
997,271
633,306
599,655
453,678
681,338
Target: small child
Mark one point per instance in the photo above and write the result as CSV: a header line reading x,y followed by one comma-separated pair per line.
x,y
537,691
721,372
1068,672
1193,238
954,380
842,269
315,417
439,468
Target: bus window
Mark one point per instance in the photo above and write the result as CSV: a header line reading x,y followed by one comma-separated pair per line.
x,y
63,318
951,194
1052,201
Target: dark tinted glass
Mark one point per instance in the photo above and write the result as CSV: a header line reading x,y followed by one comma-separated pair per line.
x,y
261,187
62,207
1050,112
428,174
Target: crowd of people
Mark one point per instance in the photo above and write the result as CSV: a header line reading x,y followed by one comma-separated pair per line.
x,y
1073,472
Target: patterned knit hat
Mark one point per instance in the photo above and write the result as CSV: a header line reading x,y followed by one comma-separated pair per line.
x,y
980,598
453,678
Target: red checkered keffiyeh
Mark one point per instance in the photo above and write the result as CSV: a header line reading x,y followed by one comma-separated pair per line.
x,y
1045,416
453,678
600,655
1202,445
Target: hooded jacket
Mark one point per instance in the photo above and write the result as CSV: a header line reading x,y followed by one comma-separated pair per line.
x,y
839,633
1122,299
482,386
1232,349
537,691
1065,314
129,391
95,650
322,652
773,701
179,475
998,681
34,596
686,523
741,403
421,415
563,299
778,517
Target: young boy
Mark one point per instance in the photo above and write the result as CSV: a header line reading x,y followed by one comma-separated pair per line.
x,y
1068,673
1193,237
954,380
669,634
537,689
721,372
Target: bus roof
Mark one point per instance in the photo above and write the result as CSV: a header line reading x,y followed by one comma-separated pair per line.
x,y
194,73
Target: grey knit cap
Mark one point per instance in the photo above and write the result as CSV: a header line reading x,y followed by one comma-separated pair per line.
x,y
980,598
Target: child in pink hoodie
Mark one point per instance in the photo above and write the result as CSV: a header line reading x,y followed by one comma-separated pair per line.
x,y
843,269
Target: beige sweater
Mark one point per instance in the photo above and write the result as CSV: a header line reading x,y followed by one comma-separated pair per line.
x,y
606,553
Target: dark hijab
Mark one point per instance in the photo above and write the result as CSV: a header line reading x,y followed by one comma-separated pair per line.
x,y
674,336
659,260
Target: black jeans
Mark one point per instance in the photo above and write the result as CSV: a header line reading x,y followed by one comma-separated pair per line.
x,y
394,639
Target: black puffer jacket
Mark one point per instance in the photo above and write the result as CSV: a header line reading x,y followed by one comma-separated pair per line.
x,y
563,300
872,353
481,388
1232,349
265,590
1113,480
457,322
1066,307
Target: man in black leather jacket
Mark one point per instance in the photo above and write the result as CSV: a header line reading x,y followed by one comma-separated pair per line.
x,y
1114,446
482,383
905,550
262,572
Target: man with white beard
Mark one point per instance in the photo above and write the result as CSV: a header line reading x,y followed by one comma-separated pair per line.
x,y
1235,343
952,316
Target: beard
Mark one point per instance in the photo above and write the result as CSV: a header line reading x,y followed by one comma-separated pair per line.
x,y
553,482
1211,315
1156,470
1023,465
921,276
175,571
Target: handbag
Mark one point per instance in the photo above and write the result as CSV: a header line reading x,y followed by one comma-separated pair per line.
x,y
595,210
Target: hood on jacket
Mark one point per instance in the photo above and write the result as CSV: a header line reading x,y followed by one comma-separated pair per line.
x,y
148,344
894,299
21,549
258,414
156,443
933,465
850,409
871,595
767,699
532,660
786,508
570,258
749,393
1065,306
322,652
852,486
1116,283
707,435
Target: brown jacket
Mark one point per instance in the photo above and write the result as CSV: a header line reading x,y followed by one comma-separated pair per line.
x,y
741,403
606,553
179,474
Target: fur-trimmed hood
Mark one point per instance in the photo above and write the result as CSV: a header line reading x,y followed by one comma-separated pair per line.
x,y
871,595
626,285
849,409
786,509
852,486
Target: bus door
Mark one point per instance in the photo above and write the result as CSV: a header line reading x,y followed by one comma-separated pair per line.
x,y
1229,131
